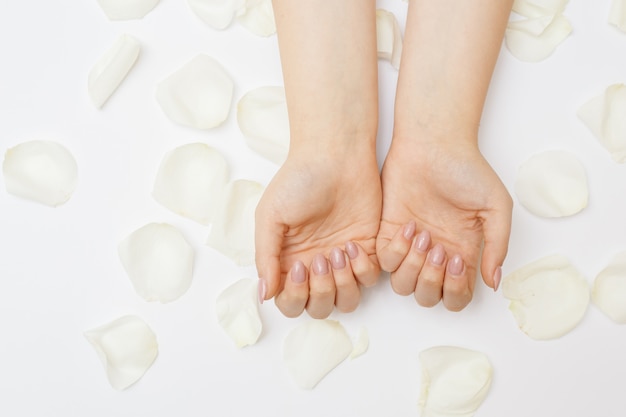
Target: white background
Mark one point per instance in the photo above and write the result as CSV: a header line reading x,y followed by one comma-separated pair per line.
x,y
60,274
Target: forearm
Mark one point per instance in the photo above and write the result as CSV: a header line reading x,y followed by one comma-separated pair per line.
x,y
450,51
328,55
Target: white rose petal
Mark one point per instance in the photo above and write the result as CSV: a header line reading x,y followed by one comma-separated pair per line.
x,y
539,8
313,349
533,40
191,181
111,69
552,184
604,116
216,13
127,347
617,14
263,120
232,230
455,381
258,17
609,289
388,37
41,171
361,344
158,261
549,297
238,312
127,9
197,95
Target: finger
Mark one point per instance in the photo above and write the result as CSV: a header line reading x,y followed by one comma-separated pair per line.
x,y
456,286
348,292
268,240
497,231
404,279
391,255
429,288
321,289
293,298
365,270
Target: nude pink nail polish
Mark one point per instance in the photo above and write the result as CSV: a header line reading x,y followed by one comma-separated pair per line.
x,y
497,277
409,230
297,273
422,241
352,250
437,254
455,265
337,258
262,288
320,265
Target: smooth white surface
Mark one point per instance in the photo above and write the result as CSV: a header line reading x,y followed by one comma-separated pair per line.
x,y
60,274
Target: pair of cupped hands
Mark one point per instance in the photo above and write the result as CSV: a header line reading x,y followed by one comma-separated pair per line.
x,y
330,221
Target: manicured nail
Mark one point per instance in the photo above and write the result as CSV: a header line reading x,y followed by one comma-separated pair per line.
x,y
352,250
297,273
497,277
409,230
455,265
422,241
337,259
437,254
320,265
262,290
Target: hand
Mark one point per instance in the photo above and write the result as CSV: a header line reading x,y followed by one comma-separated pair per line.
x,y
441,200
316,229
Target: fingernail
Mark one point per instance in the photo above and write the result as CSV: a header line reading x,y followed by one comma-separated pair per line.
x,y
337,259
409,230
455,266
297,273
320,265
422,241
262,287
497,277
352,250
437,254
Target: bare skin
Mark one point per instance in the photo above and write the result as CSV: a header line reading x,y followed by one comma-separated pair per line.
x,y
441,199
317,221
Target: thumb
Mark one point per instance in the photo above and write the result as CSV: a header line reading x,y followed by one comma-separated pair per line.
x,y
268,240
497,231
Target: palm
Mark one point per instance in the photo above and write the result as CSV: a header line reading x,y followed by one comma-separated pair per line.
x,y
450,193
318,206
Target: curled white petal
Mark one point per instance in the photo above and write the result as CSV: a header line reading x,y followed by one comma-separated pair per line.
x,y
191,181
361,344
549,297
539,8
127,9
533,40
111,69
388,37
455,381
258,17
617,14
216,13
609,289
197,95
127,348
313,349
158,261
232,230
238,312
263,120
604,116
42,171
552,184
